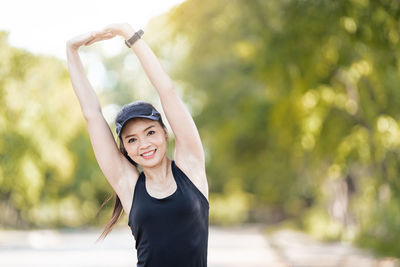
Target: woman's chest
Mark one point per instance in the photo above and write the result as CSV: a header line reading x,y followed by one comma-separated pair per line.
x,y
182,207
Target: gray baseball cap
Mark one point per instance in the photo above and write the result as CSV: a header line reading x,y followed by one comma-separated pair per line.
x,y
136,109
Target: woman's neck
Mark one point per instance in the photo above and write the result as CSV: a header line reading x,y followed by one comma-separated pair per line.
x,y
160,172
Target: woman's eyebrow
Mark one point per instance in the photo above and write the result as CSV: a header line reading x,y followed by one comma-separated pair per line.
x,y
149,127
143,131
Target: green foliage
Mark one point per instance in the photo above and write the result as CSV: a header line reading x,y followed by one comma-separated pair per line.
x,y
299,106
48,174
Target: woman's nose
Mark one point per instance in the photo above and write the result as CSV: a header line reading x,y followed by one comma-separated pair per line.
x,y
144,144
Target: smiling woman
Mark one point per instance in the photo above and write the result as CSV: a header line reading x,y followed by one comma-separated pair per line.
x,y
167,202
142,132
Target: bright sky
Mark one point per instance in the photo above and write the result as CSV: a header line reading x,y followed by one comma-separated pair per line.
x,y
43,26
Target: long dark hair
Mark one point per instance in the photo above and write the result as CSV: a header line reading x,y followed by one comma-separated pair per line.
x,y
118,209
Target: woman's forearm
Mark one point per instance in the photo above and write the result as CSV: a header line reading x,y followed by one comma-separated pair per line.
x,y
151,65
87,97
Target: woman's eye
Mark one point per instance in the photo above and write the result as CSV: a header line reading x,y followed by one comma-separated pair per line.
x,y
151,132
132,139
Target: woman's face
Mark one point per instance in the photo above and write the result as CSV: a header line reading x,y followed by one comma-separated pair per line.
x,y
145,141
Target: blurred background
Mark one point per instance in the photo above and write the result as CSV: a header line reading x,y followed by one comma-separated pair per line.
x,y
297,103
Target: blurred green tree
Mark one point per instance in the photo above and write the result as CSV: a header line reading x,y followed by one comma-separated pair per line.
x,y
298,105
48,173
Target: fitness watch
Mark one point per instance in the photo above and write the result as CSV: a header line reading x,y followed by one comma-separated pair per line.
x,y
134,38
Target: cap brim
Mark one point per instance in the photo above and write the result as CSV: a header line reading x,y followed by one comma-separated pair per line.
x,y
150,117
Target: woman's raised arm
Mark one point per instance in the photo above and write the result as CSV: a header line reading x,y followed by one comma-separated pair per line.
x,y
115,167
188,146
87,97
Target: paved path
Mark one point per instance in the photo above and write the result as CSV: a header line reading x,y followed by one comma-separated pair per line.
x,y
298,250
227,248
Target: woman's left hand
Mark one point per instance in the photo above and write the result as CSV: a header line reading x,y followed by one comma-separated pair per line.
x,y
97,36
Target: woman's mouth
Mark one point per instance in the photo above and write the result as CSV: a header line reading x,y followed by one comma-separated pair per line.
x,y
149,154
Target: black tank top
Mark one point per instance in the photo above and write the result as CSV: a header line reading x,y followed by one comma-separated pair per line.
x,y
172,231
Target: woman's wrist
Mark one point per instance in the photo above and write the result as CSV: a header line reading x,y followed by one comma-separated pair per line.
x,y
127,31
72,47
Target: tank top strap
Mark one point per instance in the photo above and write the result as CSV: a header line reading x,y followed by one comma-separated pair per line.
x,y
185,184
180,177
138,196
141,181
177,173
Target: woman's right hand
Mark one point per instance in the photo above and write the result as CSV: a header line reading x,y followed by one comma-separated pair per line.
x,y
88,39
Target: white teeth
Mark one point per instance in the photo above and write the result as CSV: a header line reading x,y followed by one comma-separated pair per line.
x,y
148,153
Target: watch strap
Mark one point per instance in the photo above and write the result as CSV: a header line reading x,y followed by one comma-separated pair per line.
x,y
134,38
